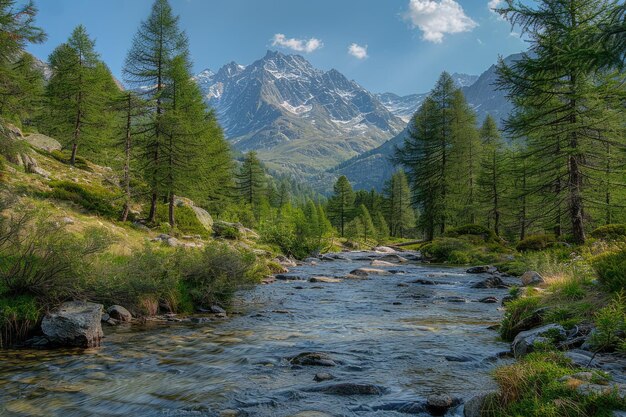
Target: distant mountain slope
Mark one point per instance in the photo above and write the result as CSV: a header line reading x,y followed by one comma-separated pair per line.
x,y
300,120
372,168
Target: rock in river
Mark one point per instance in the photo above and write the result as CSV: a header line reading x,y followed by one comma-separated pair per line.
x,y
312,359
491,282
323,376
369,271
349,388
326,280
74,324
119,313
439,404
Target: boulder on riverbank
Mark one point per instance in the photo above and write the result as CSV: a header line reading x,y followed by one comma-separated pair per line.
x,y
491,282
74,324
524,342
119,313
531,278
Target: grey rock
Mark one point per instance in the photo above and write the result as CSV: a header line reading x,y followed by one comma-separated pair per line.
x,y
74,324
43,142
488,300
479,269
524,342
531,278
349,389
119,313
474,406
312,359
439,404
215,309
323,376
491,282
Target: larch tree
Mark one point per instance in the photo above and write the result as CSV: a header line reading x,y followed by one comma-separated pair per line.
x,y
559,98
157,42
400,213
341,204
491,176
251,180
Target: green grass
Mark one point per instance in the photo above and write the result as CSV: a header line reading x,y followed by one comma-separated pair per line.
x,y
93,198
18,315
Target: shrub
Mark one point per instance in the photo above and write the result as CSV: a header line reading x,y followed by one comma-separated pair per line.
x,y
93,198
18,316
536,243
610,324
65,157
226,230
533,387
610,232
441,249
521,314
611,270
186,220
472,230
214,275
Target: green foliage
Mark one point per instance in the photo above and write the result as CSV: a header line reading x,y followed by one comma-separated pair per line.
x,y
65,157
533,387
473,230
610,323
611,270
610,232
341,205
441,249
520,315
400,213
536,243
93,198
186,220
18,315
226,230
218,272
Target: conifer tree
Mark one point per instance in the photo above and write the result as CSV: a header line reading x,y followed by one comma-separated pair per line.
x,y
491,177
157,42
78,93
400,213
341,204
251,180
368,229
559,98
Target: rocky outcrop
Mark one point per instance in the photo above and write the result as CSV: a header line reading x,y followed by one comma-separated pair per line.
x,y
43,142
119,313
202,215
74,324
524,342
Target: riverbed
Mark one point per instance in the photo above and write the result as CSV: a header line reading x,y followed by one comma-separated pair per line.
x,y
410,340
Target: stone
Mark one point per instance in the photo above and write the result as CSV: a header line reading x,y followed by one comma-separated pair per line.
x,y
285,261
43,142
312,359
524,342
215,309
323,376
531,278
285,277
381,263
455,299
491,282
119,313
439,404
369,271
349,389
67,220
479,269
384,249
326,280
310,414
394,258
74,324
474,406
488,300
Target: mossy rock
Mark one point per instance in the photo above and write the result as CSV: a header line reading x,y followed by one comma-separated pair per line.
x,y
536,243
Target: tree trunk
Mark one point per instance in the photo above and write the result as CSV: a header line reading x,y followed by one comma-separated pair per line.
x,y
73,157
172,220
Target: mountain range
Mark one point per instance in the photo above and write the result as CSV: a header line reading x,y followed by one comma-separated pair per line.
x,y
315,125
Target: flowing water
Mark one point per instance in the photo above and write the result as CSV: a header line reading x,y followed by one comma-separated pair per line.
x,y
410,339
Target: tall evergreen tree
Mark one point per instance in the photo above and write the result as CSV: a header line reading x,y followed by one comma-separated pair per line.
x,y
400,213
491,178
78,93
558,96
341,204
251,180
157,42
368,229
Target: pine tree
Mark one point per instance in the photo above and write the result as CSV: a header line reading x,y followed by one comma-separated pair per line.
x,y
381,226
21,90
341,204
77,94
400,214
157,42
368,229
560,100
491,177
251,180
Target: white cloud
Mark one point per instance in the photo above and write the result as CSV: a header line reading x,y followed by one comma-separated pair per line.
x,y
493,4
298,45
436,18
358,51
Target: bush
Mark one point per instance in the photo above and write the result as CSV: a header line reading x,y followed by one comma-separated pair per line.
x,y
536,243
610,324
533,387
93,198
472,230
65,157
521,314
442,249
226,230
186,220
18,316
214,275
610,232
611,270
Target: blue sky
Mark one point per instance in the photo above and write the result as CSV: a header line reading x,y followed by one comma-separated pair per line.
x,y
399,46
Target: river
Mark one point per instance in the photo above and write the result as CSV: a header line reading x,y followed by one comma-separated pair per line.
x,y
410,340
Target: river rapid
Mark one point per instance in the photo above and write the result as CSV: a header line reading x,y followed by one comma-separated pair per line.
x,y
409,340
